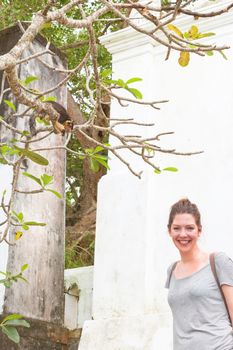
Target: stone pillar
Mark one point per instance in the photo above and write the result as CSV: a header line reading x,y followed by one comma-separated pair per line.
x,y
41,300
133,249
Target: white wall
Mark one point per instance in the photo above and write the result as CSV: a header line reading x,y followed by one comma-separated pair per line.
x,y
133,249
78,296
200,113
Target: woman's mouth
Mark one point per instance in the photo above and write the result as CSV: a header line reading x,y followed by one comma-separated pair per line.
x,y
184,242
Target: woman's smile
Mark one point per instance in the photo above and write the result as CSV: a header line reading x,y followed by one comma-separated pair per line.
x,y
184,232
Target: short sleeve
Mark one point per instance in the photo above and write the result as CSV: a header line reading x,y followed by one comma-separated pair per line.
x,y
224,269
169,271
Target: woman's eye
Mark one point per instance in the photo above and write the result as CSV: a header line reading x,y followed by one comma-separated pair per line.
x,y
190,228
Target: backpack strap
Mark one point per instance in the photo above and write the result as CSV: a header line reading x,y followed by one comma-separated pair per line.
x,y
213,268
170,276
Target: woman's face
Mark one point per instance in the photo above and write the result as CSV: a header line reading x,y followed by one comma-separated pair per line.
x,y
184,232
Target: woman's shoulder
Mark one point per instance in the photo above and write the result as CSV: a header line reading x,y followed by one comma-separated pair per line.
x,y
171,267
224,268
221,258
169,273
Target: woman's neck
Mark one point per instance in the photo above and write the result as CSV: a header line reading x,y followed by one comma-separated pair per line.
x,y
193,256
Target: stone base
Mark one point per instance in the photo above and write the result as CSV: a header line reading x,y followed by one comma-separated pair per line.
x,y
42,336
146,332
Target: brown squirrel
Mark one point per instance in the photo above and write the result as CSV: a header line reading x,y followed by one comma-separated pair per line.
x,y
64,124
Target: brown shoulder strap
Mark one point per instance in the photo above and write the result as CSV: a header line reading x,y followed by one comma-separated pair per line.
x,y
213,268
170,276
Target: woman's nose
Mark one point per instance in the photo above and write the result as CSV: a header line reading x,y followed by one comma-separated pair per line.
x,y
183,232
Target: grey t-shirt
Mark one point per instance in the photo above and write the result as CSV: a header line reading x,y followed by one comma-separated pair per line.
x,y
200,319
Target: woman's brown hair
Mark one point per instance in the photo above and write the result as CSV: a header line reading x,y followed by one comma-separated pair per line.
x,y
184,206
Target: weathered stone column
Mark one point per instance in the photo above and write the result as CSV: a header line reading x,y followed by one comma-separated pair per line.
x,y
132,246
42,248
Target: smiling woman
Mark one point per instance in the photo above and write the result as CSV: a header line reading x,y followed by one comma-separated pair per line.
x,y
201,319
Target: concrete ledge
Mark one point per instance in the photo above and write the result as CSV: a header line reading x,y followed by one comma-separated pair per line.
x,y
146,332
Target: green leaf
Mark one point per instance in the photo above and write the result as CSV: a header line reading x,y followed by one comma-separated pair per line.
x,y
94,165
3,161
105,73
157,171
223,54
50,98
4,149
35,157
42,121
20,216
3,273
46,179
205,35
54,192
110,81
173,169
98,149
209,53
7,284
136,93
21,323
46,25
36,179
22,278
11,333
12,317
30,79
24,267
10,104
99,156
25,133
133,80
14,212
120,83
25,227
165,2
102,162
34,223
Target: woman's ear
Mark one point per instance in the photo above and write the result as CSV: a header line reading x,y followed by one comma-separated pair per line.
x,y
199,230
169,230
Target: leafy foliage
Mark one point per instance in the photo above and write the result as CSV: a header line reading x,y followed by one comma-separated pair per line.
x,y
8,326
192,34
18,219
9,278
43,181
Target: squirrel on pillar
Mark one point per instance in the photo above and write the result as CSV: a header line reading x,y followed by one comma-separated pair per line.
x,y
64,124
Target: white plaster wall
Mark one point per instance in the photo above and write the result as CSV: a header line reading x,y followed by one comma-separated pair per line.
x,y
5,184
132,246
78,300
200,113
133,249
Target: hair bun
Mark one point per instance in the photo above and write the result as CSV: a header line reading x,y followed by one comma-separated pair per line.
x,y
184,201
